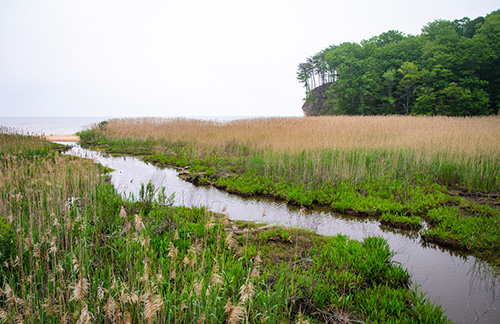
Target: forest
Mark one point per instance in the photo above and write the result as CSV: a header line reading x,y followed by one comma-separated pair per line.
x,y
452,68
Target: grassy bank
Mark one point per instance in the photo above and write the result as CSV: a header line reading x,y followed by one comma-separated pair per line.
x,y
72,250
405,170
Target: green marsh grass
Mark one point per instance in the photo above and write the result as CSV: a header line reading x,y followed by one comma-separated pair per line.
x,y
73,250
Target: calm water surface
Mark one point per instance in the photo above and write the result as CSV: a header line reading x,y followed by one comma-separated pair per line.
x,y
69,125
49,125
464,286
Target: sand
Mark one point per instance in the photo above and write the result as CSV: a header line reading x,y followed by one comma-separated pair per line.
x,y
63,138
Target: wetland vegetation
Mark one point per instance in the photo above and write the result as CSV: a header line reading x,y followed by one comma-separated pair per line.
x,y
442,172
73,250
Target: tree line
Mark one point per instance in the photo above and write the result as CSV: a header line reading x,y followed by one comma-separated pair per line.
x,y
452,68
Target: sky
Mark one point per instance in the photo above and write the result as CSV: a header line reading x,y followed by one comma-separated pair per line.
x,y
121,58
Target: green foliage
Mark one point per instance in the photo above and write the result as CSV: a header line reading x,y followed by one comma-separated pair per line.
x,y
450,69
273,234
401,221
90,136
385,305
469,226
408,82
7,241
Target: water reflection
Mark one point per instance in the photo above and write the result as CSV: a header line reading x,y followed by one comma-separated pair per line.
x,y
463,285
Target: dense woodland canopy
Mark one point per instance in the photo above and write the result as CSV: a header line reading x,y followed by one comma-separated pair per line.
x,y
452,68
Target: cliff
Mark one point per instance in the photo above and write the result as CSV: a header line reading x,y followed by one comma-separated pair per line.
x,y
316,103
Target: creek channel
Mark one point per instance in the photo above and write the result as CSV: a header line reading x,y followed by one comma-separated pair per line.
x,y
464,286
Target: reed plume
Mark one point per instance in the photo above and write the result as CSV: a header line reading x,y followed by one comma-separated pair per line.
x,y
110,309
85,315
246,291
235,313
123,213
215,278
79,289
139,225
173,252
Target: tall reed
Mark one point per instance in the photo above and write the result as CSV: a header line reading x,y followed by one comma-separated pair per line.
x,y
461,151
468,135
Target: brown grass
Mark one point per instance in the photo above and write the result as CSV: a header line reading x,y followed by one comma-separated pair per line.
x,y
452,134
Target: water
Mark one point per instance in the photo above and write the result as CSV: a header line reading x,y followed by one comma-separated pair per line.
x,y
464,286
71,125
49,125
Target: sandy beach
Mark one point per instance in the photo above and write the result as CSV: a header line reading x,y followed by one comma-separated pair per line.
x,y
63,138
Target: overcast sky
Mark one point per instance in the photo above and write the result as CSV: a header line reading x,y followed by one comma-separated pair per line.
x,y
184,58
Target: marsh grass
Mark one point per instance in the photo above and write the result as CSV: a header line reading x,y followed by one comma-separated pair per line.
x,y
72,250
448,150
428,134
401,167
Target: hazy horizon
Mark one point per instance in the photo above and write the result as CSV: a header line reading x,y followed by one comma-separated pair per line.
x,y
64,125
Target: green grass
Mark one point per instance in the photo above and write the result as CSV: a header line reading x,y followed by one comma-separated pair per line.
x,y
401,221
468,226
74,250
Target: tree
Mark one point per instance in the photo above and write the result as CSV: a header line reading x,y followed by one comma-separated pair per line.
x,y
303,75
466,27
408,82
454,101
390,79
489,35
392,36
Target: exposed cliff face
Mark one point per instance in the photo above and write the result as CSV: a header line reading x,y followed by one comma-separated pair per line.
x,y
316,103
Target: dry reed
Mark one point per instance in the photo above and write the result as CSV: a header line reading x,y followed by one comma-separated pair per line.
x,y
459,151
454,134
